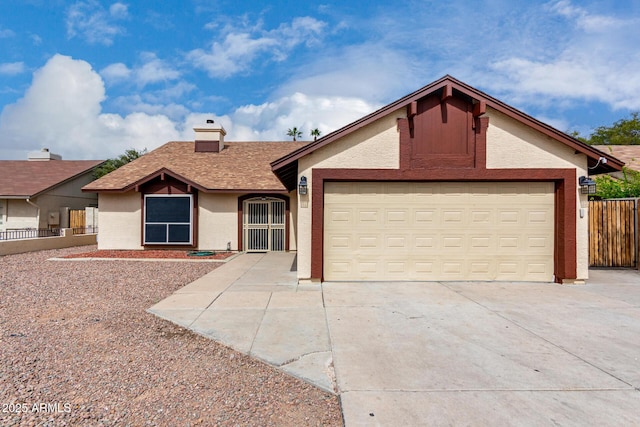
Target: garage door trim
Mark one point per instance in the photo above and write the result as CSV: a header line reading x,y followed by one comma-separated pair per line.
x,y
565,203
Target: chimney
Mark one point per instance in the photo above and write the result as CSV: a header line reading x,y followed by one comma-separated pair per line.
x,y
209,138
43,155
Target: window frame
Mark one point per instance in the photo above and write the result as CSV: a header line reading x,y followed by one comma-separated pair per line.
x,y
167,242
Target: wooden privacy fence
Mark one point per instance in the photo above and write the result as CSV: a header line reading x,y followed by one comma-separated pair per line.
x,y
77,219
612,233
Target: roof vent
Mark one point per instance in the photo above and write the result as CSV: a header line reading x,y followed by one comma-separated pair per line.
x,y
209,138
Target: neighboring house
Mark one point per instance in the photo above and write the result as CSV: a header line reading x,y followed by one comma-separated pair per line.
x,y
629,154
36,193
446,183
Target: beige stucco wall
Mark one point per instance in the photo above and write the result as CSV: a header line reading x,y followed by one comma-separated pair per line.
x,y
293,220
19,214
218,221
67,240
510,144
376,146
120,221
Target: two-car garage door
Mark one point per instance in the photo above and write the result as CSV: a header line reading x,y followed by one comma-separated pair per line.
x,y
438,231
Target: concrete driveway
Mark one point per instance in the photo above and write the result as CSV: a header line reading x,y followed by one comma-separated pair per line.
x,y
433,353
488,353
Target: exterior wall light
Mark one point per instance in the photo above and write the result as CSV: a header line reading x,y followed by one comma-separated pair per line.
x,y
587,185
302,187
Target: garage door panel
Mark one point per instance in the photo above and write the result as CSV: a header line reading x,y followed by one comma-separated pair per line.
x,y
397,217
482,217
369,242
539,216
397,242
424,243
439,231
368,217
340,216
423,217
452,217
480,269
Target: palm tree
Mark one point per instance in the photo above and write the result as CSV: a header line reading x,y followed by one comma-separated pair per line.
x,y
315,133
295,133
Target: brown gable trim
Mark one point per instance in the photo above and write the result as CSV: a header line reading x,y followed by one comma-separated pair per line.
x,y
446,84
160,173
565,257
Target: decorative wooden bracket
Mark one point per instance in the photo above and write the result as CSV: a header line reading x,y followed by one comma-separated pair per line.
x,y
412,110
447,92
479,108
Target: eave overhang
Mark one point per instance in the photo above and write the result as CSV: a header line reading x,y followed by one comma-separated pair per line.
x,y
164,173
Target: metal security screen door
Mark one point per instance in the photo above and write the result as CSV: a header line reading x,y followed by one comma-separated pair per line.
x,y
264,225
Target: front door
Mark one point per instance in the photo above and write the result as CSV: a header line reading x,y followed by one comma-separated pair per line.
x,y
264,225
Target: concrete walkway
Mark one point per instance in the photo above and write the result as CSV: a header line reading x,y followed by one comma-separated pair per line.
x,y
433,353
253,304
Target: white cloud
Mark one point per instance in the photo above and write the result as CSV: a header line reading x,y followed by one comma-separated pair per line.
x,y
119,11
154,70
150,70
151,105
62,110
597,62
6,33
240,48
92,22
270,121
583,19
114,73
36,39
355,72
12,68
176,91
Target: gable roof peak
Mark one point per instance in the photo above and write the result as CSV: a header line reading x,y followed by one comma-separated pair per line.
x,y
452,86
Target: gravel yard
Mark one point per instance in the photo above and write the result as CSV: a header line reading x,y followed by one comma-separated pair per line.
x,y
78,348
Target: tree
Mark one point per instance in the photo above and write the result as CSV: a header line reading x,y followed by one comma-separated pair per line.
x,y
295,133
315,133
622,132
608,187
112,164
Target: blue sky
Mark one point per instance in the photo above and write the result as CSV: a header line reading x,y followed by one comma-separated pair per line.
x,y
89,79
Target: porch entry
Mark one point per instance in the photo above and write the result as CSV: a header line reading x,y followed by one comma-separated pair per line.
x,y
264,224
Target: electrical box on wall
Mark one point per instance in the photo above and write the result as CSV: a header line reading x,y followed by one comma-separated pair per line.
x,y
54,218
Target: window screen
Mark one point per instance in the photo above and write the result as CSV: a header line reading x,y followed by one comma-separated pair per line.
x,y
168,219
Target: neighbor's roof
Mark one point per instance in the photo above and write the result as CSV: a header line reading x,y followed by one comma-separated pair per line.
x,y
24,178
240,166
630,154
286,166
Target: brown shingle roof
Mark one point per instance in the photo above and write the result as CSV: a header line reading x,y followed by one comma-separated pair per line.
x,y
23,178
240,166
630,154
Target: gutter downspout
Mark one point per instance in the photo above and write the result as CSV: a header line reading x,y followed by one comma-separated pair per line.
x,y
28,200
